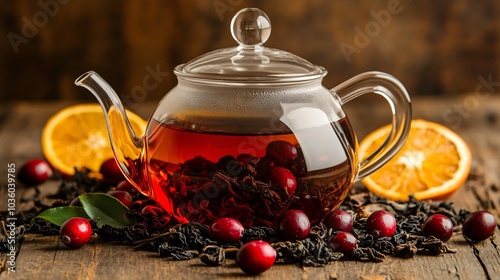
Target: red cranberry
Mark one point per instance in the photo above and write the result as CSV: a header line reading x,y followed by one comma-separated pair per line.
x,y
381,224
343,242
479,225
284,179
123,196
256,257
439,226
125,185
34,172
75,232
339,220
282,153
226,230
110,171
293,225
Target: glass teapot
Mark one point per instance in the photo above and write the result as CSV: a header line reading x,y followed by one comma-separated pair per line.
x,y
249,132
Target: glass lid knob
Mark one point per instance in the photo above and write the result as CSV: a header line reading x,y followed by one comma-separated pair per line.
x,y
251,27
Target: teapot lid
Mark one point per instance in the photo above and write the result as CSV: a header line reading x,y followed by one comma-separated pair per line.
x,y
250,62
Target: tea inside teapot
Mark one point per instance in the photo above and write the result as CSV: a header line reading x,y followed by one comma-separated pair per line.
x,y
251,177
250,132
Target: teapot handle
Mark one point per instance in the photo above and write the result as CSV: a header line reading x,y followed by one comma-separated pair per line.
x,y
396,95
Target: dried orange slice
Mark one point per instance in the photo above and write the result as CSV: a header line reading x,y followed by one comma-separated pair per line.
x,y
77,136
432,164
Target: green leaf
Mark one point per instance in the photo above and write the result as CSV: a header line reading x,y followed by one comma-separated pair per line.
x,y
108,209
59,215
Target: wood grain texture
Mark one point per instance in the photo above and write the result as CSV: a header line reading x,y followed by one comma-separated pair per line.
x,y
432,47
44,257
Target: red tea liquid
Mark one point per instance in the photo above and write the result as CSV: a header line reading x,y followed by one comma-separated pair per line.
x,y
200,176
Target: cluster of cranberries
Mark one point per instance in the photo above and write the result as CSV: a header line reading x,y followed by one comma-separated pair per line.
x,y
341,221
76,232
280,165
257,256
379,224
254,257
282,157
476,227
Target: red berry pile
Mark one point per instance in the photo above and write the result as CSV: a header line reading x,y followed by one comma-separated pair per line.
x,y
342,222
255,189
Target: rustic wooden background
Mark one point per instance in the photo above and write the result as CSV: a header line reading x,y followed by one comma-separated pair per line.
x,y
433,47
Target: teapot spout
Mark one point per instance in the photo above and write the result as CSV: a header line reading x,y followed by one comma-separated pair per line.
x,y
127,146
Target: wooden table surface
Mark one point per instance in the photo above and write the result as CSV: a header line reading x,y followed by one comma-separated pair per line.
x,y
474,116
